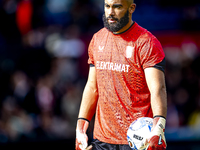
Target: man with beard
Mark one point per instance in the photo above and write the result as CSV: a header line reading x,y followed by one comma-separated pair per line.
x,y
126,81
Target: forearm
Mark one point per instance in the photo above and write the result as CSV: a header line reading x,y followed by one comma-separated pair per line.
x,y
156,83
89,102
159,102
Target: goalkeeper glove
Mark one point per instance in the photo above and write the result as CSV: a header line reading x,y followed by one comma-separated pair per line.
x,y
81,136
157,138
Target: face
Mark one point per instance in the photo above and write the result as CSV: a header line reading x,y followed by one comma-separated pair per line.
x,y
118,24
117,17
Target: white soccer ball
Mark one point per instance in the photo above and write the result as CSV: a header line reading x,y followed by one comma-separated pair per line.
x,y
138,132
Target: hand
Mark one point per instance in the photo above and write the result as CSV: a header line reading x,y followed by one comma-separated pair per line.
x,y
157,138
81,141
81,136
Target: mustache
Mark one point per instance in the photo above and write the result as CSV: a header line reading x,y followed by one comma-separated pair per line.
x,y
111,17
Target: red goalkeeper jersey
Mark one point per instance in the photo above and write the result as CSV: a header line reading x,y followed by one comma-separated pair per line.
x,y
120,60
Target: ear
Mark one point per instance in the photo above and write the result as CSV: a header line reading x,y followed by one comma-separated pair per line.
x,y
132,8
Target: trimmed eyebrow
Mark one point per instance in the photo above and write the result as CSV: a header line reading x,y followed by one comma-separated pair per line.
x,y
114,5
117,5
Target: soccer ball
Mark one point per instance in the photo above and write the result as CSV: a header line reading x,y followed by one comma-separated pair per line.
x,y
138,132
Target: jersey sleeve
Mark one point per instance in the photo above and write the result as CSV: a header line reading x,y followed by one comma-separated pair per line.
x,y
90,52
152,54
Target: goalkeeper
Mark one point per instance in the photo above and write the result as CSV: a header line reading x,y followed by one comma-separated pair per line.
x,y
126,81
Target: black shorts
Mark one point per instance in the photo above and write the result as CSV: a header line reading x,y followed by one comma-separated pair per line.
x,y
98,145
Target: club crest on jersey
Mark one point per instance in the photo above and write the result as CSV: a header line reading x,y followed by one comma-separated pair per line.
x,y
129,51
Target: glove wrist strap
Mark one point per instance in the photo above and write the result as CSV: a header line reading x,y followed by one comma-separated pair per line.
x,y
83,119
159,116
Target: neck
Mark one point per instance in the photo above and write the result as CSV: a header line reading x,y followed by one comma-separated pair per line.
x,y
124,28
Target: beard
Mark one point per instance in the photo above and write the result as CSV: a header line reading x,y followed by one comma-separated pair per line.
x,y
120,23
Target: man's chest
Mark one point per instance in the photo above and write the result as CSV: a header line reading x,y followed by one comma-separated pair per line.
x,y
115,55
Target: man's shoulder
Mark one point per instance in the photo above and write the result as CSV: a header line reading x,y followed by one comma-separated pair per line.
x,y
142,33
99,35
101,31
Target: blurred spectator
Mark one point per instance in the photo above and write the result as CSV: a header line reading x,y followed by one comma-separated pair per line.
x,y
70,104
44,94
24,16
172,114
16,123
20,85
51,127
57,11
69,45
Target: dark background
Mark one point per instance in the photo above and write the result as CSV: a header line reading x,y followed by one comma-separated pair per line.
x,y
43,68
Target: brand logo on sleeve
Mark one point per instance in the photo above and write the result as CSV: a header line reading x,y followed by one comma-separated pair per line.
x,y
101,48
